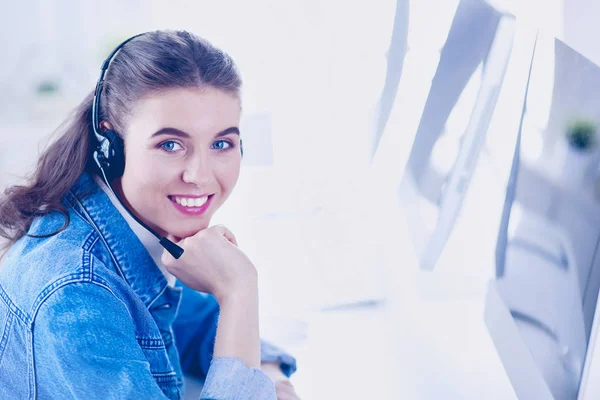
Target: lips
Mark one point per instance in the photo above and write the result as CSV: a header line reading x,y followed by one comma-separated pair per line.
x,y
186,204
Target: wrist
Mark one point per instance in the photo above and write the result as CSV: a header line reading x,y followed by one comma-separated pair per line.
x,y
273,370
244,293
237,330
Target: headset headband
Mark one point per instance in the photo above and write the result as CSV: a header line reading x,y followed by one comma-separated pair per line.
x,y
99,87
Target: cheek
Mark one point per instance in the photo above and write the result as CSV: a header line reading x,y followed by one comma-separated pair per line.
x,y
145,176
146,166
227,175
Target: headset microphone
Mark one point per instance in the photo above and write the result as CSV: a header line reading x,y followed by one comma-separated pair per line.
x,y
110,153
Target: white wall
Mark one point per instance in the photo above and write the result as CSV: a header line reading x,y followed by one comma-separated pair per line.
x,y
582,27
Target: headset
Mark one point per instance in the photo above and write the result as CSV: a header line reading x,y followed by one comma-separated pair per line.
x,y
110,152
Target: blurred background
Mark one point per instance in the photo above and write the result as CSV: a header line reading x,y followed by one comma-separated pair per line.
x,y
380,143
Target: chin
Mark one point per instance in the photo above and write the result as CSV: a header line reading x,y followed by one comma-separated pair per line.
x,y
184,233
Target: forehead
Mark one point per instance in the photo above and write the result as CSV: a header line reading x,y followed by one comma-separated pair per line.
x,y
193,110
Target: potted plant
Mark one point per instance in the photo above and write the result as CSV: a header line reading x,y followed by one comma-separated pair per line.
x,y
581,158
581,135
47,96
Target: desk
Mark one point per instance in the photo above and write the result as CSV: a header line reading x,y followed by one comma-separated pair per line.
x,y
403,348
406,347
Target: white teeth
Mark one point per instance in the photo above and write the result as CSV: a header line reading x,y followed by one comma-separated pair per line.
x,y
191,202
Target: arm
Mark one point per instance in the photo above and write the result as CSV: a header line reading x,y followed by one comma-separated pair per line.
x,y
195,330
238,339
85,347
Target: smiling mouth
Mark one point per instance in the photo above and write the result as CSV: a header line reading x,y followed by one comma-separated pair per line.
x,y
190,202
187,205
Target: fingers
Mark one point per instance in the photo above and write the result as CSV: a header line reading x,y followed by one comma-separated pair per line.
x,y
169,261
227,233
166,258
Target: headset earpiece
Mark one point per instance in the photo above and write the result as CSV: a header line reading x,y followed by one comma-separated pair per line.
x,y
111,154
110,150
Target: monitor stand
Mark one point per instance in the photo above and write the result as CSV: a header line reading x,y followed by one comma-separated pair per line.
x,y
519,364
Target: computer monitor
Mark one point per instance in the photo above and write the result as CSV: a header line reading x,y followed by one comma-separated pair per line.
x,y
454,123
540,307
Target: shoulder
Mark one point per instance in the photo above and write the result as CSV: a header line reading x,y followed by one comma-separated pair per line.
x,y
76,308
34,268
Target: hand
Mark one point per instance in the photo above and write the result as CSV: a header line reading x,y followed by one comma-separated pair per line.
x,y
283,386
212,263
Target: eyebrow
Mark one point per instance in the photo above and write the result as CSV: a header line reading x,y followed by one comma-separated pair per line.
x,y
183,134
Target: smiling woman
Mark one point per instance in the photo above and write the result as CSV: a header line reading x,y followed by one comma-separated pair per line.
x,y
89,298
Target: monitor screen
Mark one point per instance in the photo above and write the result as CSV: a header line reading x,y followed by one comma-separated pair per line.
x,y
541,304
453,126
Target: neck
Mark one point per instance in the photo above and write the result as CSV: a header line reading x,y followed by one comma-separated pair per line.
x,y
117,189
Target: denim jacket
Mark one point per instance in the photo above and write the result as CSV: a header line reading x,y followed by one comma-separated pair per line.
x,y
87,314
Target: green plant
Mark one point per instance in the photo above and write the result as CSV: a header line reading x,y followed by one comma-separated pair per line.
x,y
581,135
47,87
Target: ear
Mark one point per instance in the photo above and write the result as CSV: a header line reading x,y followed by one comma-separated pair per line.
x,y
105,125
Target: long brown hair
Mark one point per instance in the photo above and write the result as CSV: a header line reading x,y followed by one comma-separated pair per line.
x,y
150,63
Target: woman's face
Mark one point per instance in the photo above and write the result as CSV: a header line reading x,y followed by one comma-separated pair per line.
x,y
182,158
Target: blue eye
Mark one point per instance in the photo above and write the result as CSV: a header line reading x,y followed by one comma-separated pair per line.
x,y
170,146
219,145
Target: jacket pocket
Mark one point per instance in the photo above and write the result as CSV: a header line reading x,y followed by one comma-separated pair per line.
x,y
161,367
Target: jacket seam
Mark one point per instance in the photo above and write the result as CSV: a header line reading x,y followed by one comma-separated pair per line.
x,y
160,293
150,343
84,275
165,377
31,365
99,233
86,259
4,339
12,307
32,385
68,280
98,280
75,210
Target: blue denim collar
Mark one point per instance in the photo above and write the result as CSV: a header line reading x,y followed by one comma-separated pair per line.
x,y
148,240
131,258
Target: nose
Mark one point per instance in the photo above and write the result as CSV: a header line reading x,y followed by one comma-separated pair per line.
x,y
198,170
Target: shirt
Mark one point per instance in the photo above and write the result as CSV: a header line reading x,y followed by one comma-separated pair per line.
x,y
86,313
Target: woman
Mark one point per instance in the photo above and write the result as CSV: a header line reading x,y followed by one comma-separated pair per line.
x,y
89,306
